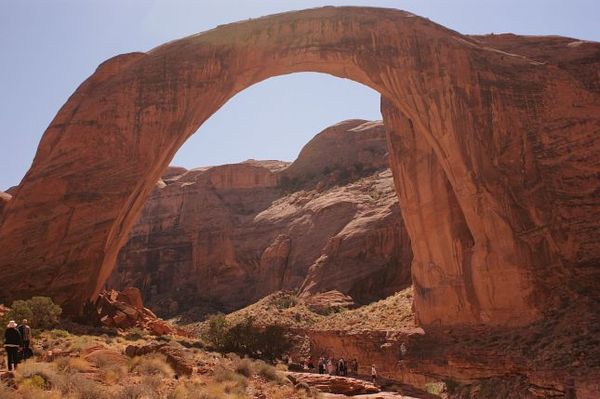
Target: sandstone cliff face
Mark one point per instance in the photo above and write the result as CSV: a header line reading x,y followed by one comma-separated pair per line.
x,y
223,237
500,138
4,198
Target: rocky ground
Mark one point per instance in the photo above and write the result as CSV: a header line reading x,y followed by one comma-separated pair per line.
x,y
556,357
105,363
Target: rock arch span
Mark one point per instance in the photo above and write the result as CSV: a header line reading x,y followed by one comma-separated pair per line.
x,y
473,135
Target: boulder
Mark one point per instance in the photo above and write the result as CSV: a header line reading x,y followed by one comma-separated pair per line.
x,y
334,384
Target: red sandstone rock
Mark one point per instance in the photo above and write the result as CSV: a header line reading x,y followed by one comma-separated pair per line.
x,y
125,310
4,198
334,384
495,156
229,235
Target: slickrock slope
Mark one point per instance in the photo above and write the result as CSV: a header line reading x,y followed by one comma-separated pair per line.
x,y
223,237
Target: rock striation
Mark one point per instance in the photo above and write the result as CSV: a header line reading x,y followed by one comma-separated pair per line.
x,y
220,238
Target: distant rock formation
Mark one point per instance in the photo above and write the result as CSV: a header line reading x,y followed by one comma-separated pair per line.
x,y
222,237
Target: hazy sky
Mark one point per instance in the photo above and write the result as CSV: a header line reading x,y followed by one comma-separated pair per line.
x,y
48,47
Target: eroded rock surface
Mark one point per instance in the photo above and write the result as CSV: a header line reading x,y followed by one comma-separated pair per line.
x,y
125,310
4,198
223,237
494,148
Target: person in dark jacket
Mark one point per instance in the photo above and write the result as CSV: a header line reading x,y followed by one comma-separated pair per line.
x,y
25,332
12,344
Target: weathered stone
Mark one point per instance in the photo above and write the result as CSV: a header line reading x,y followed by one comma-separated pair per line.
x,y
334,384
4,198
512,145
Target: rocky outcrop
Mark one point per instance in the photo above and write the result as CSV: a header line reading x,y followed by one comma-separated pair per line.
x,y
494,148
220,238
125,310
333,384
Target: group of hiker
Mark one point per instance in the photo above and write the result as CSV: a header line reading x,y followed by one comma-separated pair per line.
x,y
331,366
340,367
17,341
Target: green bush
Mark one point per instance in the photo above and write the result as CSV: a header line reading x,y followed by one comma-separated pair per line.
x,y
40,312
247,339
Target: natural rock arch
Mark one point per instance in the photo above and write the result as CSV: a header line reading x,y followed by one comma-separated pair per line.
x,y
472,136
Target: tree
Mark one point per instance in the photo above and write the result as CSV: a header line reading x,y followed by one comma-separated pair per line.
x,y
40,312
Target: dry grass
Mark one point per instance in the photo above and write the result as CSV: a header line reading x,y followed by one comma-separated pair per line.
x,y
34,375
392,313
280,308
151,365
89,370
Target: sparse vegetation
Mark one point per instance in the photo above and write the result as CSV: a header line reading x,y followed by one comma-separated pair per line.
x,y
40,311
246,338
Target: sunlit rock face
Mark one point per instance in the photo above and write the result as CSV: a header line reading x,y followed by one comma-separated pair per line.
x,y
4,198
220,238
494,145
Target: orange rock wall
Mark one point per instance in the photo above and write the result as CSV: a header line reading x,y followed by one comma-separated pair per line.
x,y
515,135
220,238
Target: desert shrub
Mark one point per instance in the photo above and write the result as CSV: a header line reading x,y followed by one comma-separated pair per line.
x,y
74,364
435,388
34,375
247,339
79,343
268,372
130,392
40,312
187,390
217,331
285,301
218,390
59,333
135,334
86,388
224,375
243,367
151,365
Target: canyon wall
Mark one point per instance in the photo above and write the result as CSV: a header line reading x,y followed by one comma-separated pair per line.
x,y
220,238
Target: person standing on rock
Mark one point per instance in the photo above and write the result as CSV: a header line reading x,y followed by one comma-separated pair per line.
x,y
12,344
342,367
330,366
373,374
354,366
25,332
321,365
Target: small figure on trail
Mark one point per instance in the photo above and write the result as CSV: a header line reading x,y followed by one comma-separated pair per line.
x,y
354,367
12,344
373,374
310,364
341,367
321,365
330,366
25,332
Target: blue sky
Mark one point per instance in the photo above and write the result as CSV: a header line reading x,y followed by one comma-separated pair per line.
x,y
48,47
